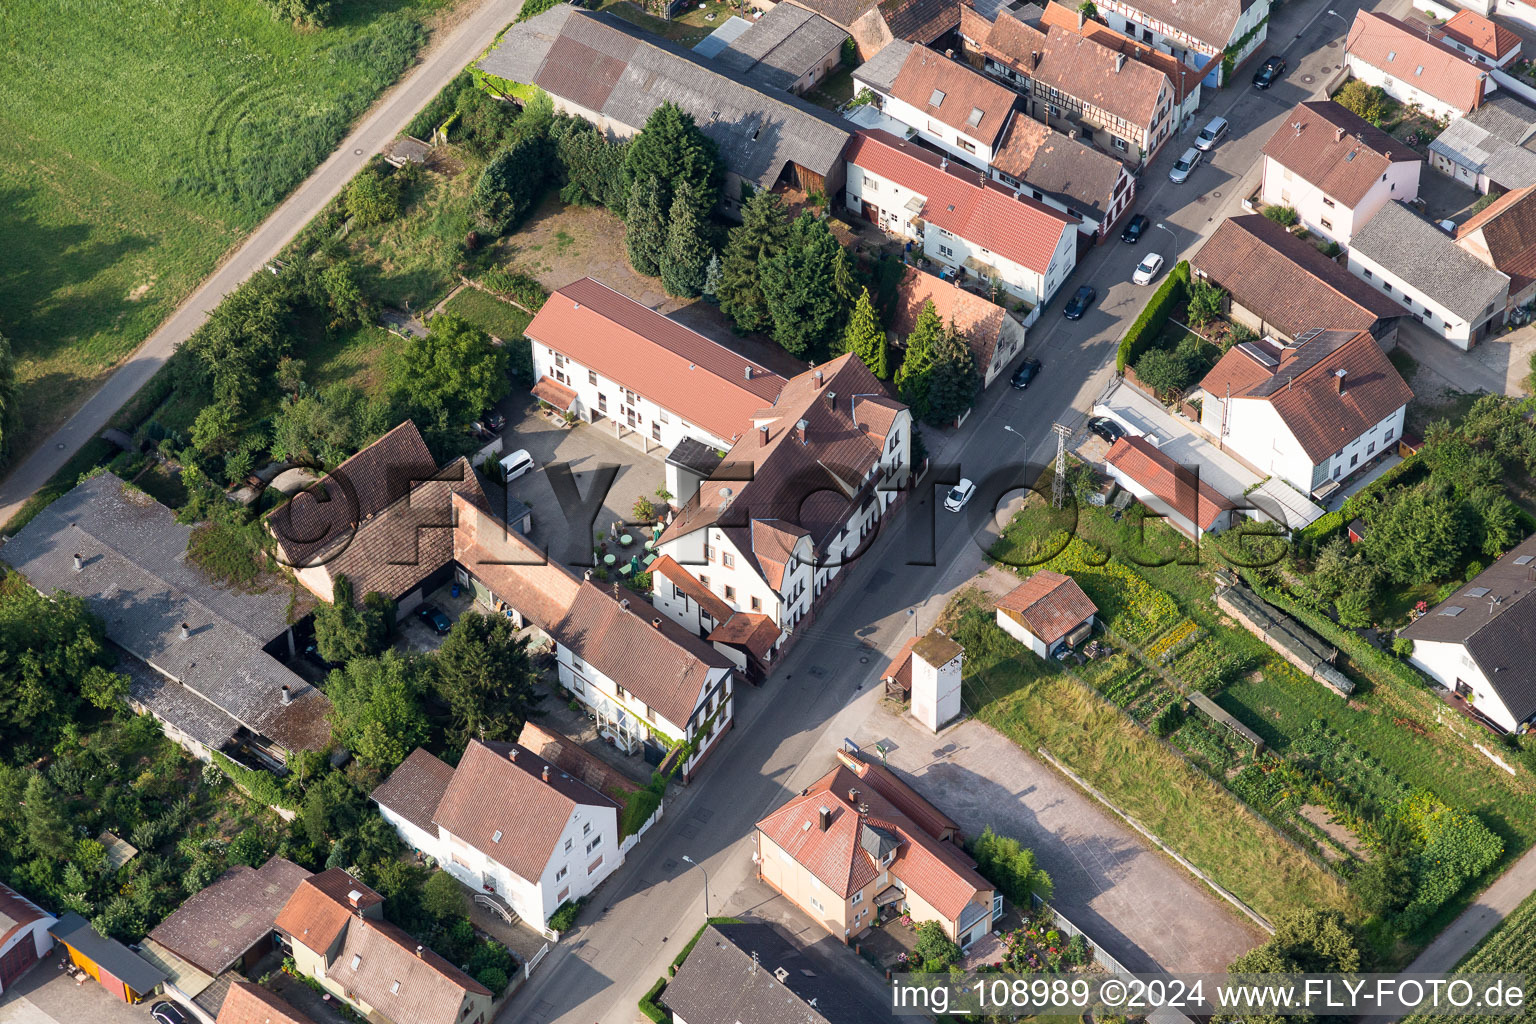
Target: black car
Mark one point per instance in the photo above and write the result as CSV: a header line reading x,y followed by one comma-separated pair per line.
x,y
1269,72
1106,428
433,616
167,1013
1079,303
1135,229
1025,373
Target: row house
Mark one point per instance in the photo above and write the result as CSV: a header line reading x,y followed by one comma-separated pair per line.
x,y
1186,80
1414,68
1066,175
1209,35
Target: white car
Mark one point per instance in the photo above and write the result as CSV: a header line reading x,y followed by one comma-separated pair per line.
x,y
1211,134
1184,166
516,464
959,494
1147,269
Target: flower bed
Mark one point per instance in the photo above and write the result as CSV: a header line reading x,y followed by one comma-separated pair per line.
x,y
1039,946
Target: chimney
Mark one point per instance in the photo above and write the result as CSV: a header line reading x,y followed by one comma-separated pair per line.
x,y
419,951
545,776
79,563
512,755
1119,58
853,796
656,622
624,604
1338,380
943,165
824,818
186,631
819,380
1338,135
354,896
1034,58
587,575
763,430
950,54
803,424
748,371
287,697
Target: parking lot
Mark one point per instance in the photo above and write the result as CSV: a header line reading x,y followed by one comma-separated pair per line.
x,y
46,995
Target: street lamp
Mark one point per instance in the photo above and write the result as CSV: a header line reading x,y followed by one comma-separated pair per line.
x,y
689,860
1013,432
1164,227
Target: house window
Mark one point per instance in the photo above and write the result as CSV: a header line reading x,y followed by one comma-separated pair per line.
x,y
602,403
1328,202
1368,274
568,843
560,874
656,431
709,552
757,604
594,865
1354,460
963,144
1325,223
586,829
1387,285
1388,435
704,580
946,251
1054,109
858,898
663,416
727,559
559,359
594,844
563,895
1370,448
816,904
592,377
1120,144
623,693
730,593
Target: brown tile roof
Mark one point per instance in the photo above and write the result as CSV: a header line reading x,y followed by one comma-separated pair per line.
x,y
1286,281
1050,604
1429,65
398,977
1305,389
1211,22
246,1003
319,909
1101,77
415,788
572,758
1138,459
1334,149
1185,79
556,394
921,21
689,584
215,926
967,101
1479,33
902,796
696,379
1072,172
507,810
660,662
515,571
1009,39
980,321
752,630
900,668
1503,235
876,415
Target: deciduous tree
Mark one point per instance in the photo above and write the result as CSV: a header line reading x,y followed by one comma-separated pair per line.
x,y
376,707
450,376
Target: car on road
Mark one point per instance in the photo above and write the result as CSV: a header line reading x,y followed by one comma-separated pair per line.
x,y
1135,229
167,1013
516,464
1025,373
1269,72
1106,428
1184,166
1078,304
959,494
1211,134
433,616
1147,269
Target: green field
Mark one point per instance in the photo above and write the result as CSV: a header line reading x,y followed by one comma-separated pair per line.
x,y
141,141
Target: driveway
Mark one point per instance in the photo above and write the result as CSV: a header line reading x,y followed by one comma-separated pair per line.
x,y
1140,906
46,995
1498,365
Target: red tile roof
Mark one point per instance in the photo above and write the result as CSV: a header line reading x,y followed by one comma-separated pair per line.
x,y
1336,150
556,394
968,101
694,378
1165,479
980,321
900,668
906,799
514,570
319,909
1393,47
1185,79
1050,604
752,630
246,1003
1107,79
964,201
402,980
415,788
1503,235
1476,32
713,606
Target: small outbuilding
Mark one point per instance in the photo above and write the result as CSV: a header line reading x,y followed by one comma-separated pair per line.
x,y
1046,613
927,669
24,938
120,970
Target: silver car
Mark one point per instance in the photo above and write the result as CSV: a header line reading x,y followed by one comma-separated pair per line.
x,y
1211,134
1184,166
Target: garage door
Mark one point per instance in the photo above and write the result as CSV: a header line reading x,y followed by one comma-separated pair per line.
x,y
15,961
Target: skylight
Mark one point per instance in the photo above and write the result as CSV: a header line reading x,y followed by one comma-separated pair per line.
x,y
1391,55
356,960
976,115
937,98
1453,611
1419,70
1478,592
1524,559
496,836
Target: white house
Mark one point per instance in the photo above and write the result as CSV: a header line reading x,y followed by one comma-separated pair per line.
x,y
24,938
962,219
1198,33
1191,506
960,111
1477,641
1335,169
1065,174
1443,286
927,671
506,823
1046,613
1312,414
1480,38
1415,69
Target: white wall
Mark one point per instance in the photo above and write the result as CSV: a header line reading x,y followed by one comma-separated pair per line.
x,y
1461,172
1482,58
1448,663
1128,19
1090,222
971,149
1337,221
1406,92
35,934
1255,431
1431,311
429,843
1016,629
1156,504
1517,10
935,691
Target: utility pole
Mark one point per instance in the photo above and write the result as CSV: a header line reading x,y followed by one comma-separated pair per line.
x,y
1059,483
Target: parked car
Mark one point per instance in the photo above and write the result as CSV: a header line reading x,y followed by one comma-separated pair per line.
x,y
1147,269
1079,303
1211,134
1135,229
1025,373
1269,72
489,426
959,494
167,1013
1106,428
516,464
1184,166
433,616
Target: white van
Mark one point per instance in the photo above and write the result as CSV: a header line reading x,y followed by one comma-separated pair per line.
x,y
516,464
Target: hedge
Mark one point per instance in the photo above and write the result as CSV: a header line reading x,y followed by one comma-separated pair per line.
x,y
677,961
1143,333
651,1008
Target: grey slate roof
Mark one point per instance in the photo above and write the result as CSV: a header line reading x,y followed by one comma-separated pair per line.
x,y
135,575
1426,257
880,71
1497,624
781,46
1505,117
1491,141
109,954
608,66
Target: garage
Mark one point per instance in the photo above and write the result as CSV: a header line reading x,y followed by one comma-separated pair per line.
x,y
24,938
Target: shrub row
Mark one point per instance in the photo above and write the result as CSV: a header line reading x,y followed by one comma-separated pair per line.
x,y
651,1008
1149,324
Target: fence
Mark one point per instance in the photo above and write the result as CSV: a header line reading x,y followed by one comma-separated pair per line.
x,y
1065,924
629,841
537,957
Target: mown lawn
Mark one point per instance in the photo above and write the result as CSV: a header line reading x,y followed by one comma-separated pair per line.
x,y
140,141
494,316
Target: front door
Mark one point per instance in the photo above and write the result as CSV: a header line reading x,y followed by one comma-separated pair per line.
x,y
871,212
1462,689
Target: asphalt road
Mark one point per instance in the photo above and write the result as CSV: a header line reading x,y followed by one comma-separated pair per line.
x,y
444,58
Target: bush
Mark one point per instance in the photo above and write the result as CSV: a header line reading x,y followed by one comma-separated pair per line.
x,y
1011,867
520,288
1368,101
564,917
649,1005
1402,646
1285,216
1149,324
934,951
260,786
1164,372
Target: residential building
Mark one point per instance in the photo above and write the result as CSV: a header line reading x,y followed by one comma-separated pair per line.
x,y
749,973
1313,414
789,48
1413,68
749,639
611,358
1186,80
1335,169
846,855
1516,10
1187,502
1480,38
126,976
1502,235
1442,286
991,332
600,67
202,658
229,924
797,500
24,938
520,832
874,24
1490,148
1047,613
1209,35
1066,175
251,1004
926,672
1477,642
963,219
957,110
1281,286
335,928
